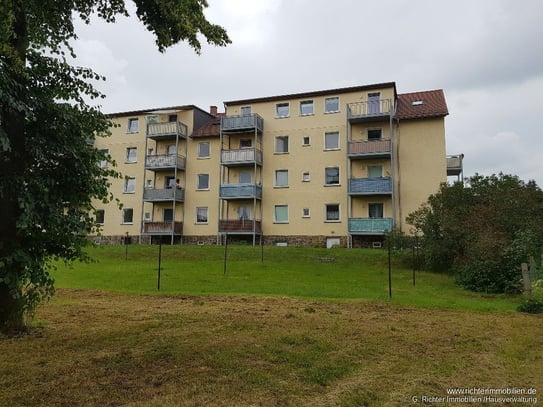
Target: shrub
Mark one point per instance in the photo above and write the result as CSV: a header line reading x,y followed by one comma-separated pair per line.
x,y
531,306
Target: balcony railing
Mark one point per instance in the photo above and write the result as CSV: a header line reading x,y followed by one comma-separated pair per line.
x,y
454,164
240,226
370,226
163,194
370,186
162,228
370,110
370,148
243,123
165,162
166,130
242,156
240,191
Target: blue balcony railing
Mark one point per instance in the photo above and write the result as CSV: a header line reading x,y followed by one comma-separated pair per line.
x,y
370,186
242,123
370,225
240,191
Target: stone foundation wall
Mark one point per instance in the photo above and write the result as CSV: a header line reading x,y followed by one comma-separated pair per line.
x,y
367,242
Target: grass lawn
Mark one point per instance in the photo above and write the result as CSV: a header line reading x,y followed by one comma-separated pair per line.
x,y
286,271
291,331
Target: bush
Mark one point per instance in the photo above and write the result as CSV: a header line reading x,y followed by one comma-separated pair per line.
x,y
531,306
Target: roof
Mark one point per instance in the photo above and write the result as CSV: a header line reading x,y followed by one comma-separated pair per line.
x,y
158,110
210,129
424,104
314,93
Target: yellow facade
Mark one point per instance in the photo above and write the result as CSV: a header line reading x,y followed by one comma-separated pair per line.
x,y
328,167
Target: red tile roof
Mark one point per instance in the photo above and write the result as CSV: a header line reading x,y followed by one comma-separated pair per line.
x,y
210,129
418,105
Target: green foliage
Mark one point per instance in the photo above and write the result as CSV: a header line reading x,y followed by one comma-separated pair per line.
x,y
49,172
531,306
482,231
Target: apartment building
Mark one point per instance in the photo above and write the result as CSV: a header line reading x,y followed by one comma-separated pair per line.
x,y
323,168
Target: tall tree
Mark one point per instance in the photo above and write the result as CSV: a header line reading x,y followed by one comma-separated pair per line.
x,y
482,231
49,172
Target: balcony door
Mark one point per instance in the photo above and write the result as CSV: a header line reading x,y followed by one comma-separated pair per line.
x,y
244,213
245,177
168,215
374,103
375,210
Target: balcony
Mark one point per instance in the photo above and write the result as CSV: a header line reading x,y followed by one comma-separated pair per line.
x,y
240,226
164,162
374,110
163,194
454,164
241,157
240,191
162,228
241,124
370,226
380,148
370,186
166,130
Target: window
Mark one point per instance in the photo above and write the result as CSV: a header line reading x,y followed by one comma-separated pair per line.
x,y
172,118
245,177
331,105
131,154
201,214
306,213
281,214
282,110
152,119
203,181
331,140
281,144
170,181
245,110
244,213
375,210
306,141
332,212
147,216
130,185
133,125
203,149
172,149
375,134
245,143
306,107
100,215
149,183
168,215
128,215
306,177
332,176
281,178
104,163
375,171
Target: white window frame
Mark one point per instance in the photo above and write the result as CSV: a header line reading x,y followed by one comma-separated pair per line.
x,y
123,214
275,220
245,111
279,174
245,143
329,134
128,159
286,142
306,176
200,210
129,185
104,163
326,183
278,106
199,177
306,213
133,125
308,102
376,168
245,174
200,154
325,104
326,218
306,141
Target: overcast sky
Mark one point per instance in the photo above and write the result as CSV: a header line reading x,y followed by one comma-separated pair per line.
x,y
485,54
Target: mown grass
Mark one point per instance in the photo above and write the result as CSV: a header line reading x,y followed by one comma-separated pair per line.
x,y
285,271
96,348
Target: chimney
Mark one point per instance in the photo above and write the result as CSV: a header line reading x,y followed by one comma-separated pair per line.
x,y
213,110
